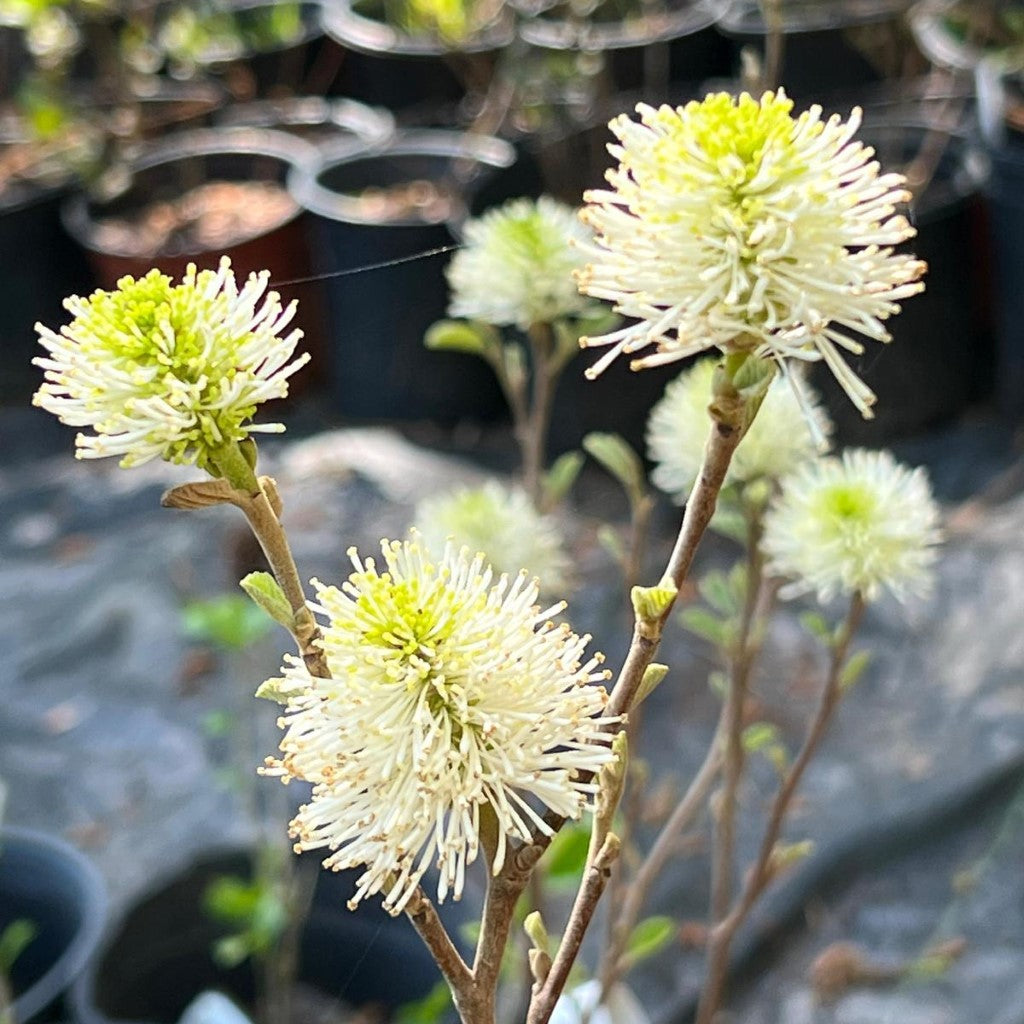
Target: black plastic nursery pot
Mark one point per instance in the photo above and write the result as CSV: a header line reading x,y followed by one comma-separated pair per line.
x,y
39,267
1005,195
821,52
58,891
262,65
158,958
165,172
941,358
415,75
379,218
669,43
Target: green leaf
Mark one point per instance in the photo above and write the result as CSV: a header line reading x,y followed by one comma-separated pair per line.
x,y
231,899
268,595
567,853
816,625
706,624
730,522
538,934
752,379
651,603
269,919
758,736
619,459
217,723
608,537
277,690
717,590
785,856
649,937
718,683
471,337
558,480
14,940
653,677
232,950
230,621
428,1010
763,738
854,669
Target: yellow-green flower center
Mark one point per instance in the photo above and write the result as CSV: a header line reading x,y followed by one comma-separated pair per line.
x,y
847,507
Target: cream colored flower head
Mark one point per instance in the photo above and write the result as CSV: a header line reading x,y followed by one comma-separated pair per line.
x,y
166,370
732,225
779,439
452,693
502,524
860,524
516,266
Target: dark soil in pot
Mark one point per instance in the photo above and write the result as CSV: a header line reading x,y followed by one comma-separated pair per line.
x,y
200,195
372,212
47,883
159,957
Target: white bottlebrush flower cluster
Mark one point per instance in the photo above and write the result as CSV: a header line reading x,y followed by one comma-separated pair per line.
x,y
166,370
501,523
450,694
862,524
516,266
779,439
732,225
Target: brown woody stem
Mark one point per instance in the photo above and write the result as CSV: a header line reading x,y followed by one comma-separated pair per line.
x,y
761,873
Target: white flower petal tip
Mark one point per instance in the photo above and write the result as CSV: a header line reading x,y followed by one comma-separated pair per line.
x,y
731,217
450,693
789,428
163,370
501,523
516,266
860,524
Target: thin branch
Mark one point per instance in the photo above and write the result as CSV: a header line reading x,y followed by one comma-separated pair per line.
x,y
595,879
725,436
761,873
728,424
657,857
534,437
741,660
774,43
262,509
423,916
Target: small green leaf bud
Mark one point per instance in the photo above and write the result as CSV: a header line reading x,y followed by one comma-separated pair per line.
x,y
267,593
651,603
538,934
